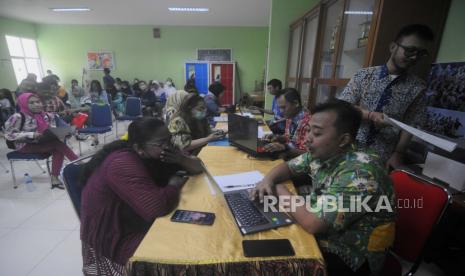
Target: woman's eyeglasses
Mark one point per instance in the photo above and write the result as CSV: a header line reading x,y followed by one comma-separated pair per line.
x,y
160,144
413,51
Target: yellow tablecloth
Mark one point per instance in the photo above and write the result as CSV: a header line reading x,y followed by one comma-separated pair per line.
x,y
188,244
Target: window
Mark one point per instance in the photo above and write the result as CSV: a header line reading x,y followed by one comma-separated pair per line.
x,y
24,57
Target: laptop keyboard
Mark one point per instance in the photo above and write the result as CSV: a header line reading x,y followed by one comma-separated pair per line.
x,y
244,210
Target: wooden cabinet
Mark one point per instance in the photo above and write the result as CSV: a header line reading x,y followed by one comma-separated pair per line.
x,y
338,37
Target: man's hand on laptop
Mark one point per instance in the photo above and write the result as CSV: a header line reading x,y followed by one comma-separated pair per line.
x,y
275,147
262,188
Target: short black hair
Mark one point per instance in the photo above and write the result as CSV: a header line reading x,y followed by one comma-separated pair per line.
x,y
348,116
106,70
74,80
422,31
216,88
291,95
276,84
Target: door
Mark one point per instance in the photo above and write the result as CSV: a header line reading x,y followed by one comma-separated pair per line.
x,y
224,73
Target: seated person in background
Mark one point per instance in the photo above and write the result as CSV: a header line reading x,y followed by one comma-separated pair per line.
x,y
118,99
126,89
29,84
147,98
169,87
62,94
189,127
297,125
76,97
173,103
353,242
6,105
47,92
96,94
212,100
190,87
36,121
278,124
127,185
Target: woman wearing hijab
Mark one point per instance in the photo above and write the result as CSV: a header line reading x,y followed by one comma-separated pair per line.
x,y
173,103
26,135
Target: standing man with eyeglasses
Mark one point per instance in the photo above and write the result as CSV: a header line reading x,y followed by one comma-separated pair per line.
x,y
391,90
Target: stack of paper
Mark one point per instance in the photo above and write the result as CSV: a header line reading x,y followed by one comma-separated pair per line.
x,y
238,181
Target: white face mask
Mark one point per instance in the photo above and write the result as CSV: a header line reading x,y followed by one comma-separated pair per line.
x,y
199,115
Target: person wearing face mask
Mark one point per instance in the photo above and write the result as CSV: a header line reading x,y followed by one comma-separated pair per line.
x,y
189,126
76,95
126,186
26,136
118,99
147,98
292,143
212,101
353,241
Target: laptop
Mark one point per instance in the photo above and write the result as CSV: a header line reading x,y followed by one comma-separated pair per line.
x,y
250,215
56,133
243,134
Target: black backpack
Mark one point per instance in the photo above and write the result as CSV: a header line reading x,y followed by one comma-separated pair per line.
x,y
11,144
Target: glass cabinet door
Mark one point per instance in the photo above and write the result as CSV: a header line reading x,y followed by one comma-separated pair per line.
x,y
332,26
308,52
358,16
294,56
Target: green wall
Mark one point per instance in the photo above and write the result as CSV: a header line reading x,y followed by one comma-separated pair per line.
x,y
283,13
137,54
453,39
14,28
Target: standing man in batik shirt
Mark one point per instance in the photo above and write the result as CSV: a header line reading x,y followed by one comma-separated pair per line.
x,y
391,90
353,241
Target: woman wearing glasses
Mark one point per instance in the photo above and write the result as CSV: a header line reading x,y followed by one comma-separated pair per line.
x,y
127,185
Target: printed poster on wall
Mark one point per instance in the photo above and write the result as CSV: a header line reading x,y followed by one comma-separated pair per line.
x,y
98,60
446,99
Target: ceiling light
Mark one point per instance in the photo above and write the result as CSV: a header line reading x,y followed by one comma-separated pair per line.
x,y
188,9
70,9
359,12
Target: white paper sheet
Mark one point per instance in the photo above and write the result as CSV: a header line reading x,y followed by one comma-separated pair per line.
x,y
220,119
238,181
434,140
261,133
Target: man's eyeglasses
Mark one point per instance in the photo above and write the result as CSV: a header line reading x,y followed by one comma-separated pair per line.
x,y
413,51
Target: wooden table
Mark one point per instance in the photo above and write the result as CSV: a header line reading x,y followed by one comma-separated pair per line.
x,y
171,248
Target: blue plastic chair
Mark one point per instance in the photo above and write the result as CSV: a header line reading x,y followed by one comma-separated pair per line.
x,y
132,111
70,175
14,156
100,122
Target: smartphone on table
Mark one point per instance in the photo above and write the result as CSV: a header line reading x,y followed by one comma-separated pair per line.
x,y
195,217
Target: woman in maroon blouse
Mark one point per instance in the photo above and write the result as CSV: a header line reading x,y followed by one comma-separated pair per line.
x,y
128,184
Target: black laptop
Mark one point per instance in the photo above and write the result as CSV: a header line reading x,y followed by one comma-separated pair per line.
x,y
243,134
250,215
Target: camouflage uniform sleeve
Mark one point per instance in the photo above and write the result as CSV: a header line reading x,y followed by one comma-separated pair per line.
x,y
300,165
347,188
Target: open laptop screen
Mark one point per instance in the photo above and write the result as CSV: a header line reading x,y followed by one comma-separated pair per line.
x,y
243,131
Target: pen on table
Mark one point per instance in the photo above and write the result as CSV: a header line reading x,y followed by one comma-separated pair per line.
x,y
240,185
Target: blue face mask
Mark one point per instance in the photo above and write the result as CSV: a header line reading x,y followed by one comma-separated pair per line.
x,y
199,115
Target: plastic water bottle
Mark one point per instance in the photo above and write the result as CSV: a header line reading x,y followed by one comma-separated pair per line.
x,y
27,181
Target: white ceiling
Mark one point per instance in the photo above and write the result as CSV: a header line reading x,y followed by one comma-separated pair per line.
x,y
141,12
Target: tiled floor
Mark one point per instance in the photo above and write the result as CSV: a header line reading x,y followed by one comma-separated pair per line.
x,y
39,230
